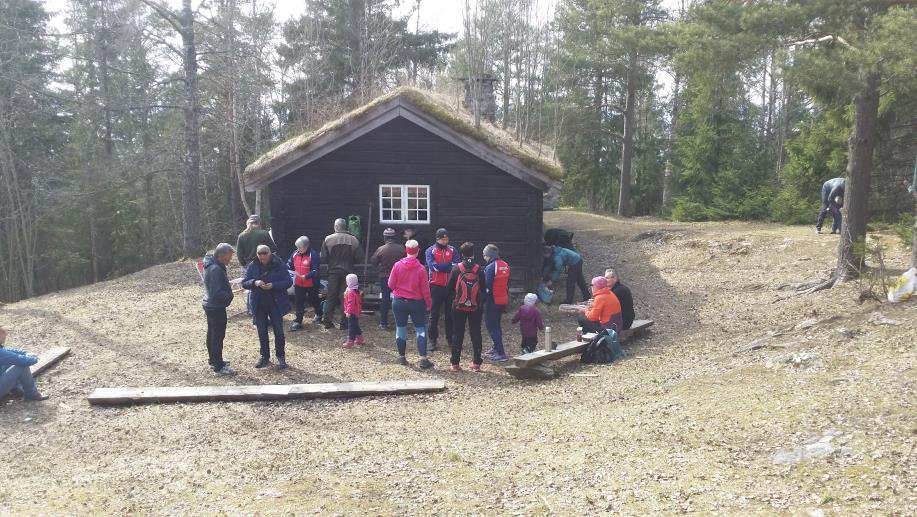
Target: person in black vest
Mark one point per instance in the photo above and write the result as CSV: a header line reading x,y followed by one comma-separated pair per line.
x,y
624,296
217,296
340,251
467,285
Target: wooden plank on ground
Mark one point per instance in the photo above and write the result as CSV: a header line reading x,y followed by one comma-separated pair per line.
x,y
48,359
122,396
540,356
536,372
637,327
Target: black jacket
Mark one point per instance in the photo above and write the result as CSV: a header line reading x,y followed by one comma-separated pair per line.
x,y
453,282
385,257
217,291
627,303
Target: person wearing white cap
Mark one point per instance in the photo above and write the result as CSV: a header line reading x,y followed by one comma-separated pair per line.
x,y
529,319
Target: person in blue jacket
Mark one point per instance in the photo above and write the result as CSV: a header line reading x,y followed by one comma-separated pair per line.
x,y
268,280
559,258
832,200
15,372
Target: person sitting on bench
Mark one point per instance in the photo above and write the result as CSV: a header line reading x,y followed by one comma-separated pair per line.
x,y
604,311
15,372
622,292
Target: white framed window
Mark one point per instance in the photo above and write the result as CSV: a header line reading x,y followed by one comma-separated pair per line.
x,y
404,204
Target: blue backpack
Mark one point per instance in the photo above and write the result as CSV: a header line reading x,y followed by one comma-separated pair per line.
x,y
603,348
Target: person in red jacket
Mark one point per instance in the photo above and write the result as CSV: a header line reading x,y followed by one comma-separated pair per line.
x,y
353,305
305,264
604,311
441,258
497,297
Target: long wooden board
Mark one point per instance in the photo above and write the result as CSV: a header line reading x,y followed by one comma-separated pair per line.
x,y
122,396
637,327
572,347
48,358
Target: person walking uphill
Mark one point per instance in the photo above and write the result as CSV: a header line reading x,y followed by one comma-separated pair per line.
x,y
496,274
832,199
268,280
217,296
441,257
466,287
16,373
384,259
410,299
353,305
340,251
305,264
253,236
559,258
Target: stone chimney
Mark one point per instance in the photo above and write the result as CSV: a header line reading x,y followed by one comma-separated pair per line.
x,y
486,98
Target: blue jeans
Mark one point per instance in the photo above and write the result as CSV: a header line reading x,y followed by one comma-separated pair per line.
x,y
385,301
403,308
493,313
18,376
273,317
353,327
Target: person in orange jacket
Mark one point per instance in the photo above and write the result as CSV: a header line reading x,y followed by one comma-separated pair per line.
x,y
604,311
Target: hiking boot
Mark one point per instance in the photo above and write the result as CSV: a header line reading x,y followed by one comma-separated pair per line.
x,y
225,370
281,363
37,398
348,344
359,340
295,326
431,345
833,232
402,360
425,363
383,326
490,352
263,362
817,231
499,358
455,368
475,367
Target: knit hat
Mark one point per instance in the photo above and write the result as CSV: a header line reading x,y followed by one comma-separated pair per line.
x,y
492,251
388,233
441,233
530,299
411,247
599,282
353,282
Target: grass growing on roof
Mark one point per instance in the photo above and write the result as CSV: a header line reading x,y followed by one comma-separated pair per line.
x,y
438,107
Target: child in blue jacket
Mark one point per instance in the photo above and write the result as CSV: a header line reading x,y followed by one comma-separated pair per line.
x,y
15,374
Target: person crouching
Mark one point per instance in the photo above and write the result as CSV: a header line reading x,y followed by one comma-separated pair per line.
x,y
604,310
353,305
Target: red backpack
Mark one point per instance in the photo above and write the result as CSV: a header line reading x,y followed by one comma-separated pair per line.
x,y
467,289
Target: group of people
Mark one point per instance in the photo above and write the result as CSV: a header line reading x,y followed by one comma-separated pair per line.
x,y
417,285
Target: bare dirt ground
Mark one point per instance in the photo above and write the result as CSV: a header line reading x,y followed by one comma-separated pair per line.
x,y
710,412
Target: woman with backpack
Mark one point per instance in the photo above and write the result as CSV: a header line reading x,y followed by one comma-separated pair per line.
x,y
466,287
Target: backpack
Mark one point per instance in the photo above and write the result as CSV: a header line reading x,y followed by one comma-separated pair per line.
x,y
467,289
603,348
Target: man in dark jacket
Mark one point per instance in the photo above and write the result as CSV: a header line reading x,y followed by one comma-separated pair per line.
x,y
622,292
250,238
383,259
217,296
268,279
340,251
305,264
467,305
832,199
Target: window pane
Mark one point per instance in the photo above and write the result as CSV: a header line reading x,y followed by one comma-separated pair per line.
x,y
396,203
422,215
422,204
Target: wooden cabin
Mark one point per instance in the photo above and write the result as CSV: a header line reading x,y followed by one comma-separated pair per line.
x,y
410,159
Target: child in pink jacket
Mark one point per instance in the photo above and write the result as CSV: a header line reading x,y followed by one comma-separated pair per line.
x,y
353,305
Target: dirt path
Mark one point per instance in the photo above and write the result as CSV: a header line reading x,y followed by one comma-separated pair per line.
x,y
688,422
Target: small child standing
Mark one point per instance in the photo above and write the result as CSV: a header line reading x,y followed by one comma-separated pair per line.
x,y
353,305
530,322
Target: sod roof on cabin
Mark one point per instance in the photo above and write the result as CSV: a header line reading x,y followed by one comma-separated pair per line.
x,y
437,106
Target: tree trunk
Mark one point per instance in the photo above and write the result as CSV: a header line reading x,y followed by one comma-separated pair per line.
x,y
914,240
191,196
627,153
859,174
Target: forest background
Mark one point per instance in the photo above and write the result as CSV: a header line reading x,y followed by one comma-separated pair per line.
x,y
126,127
